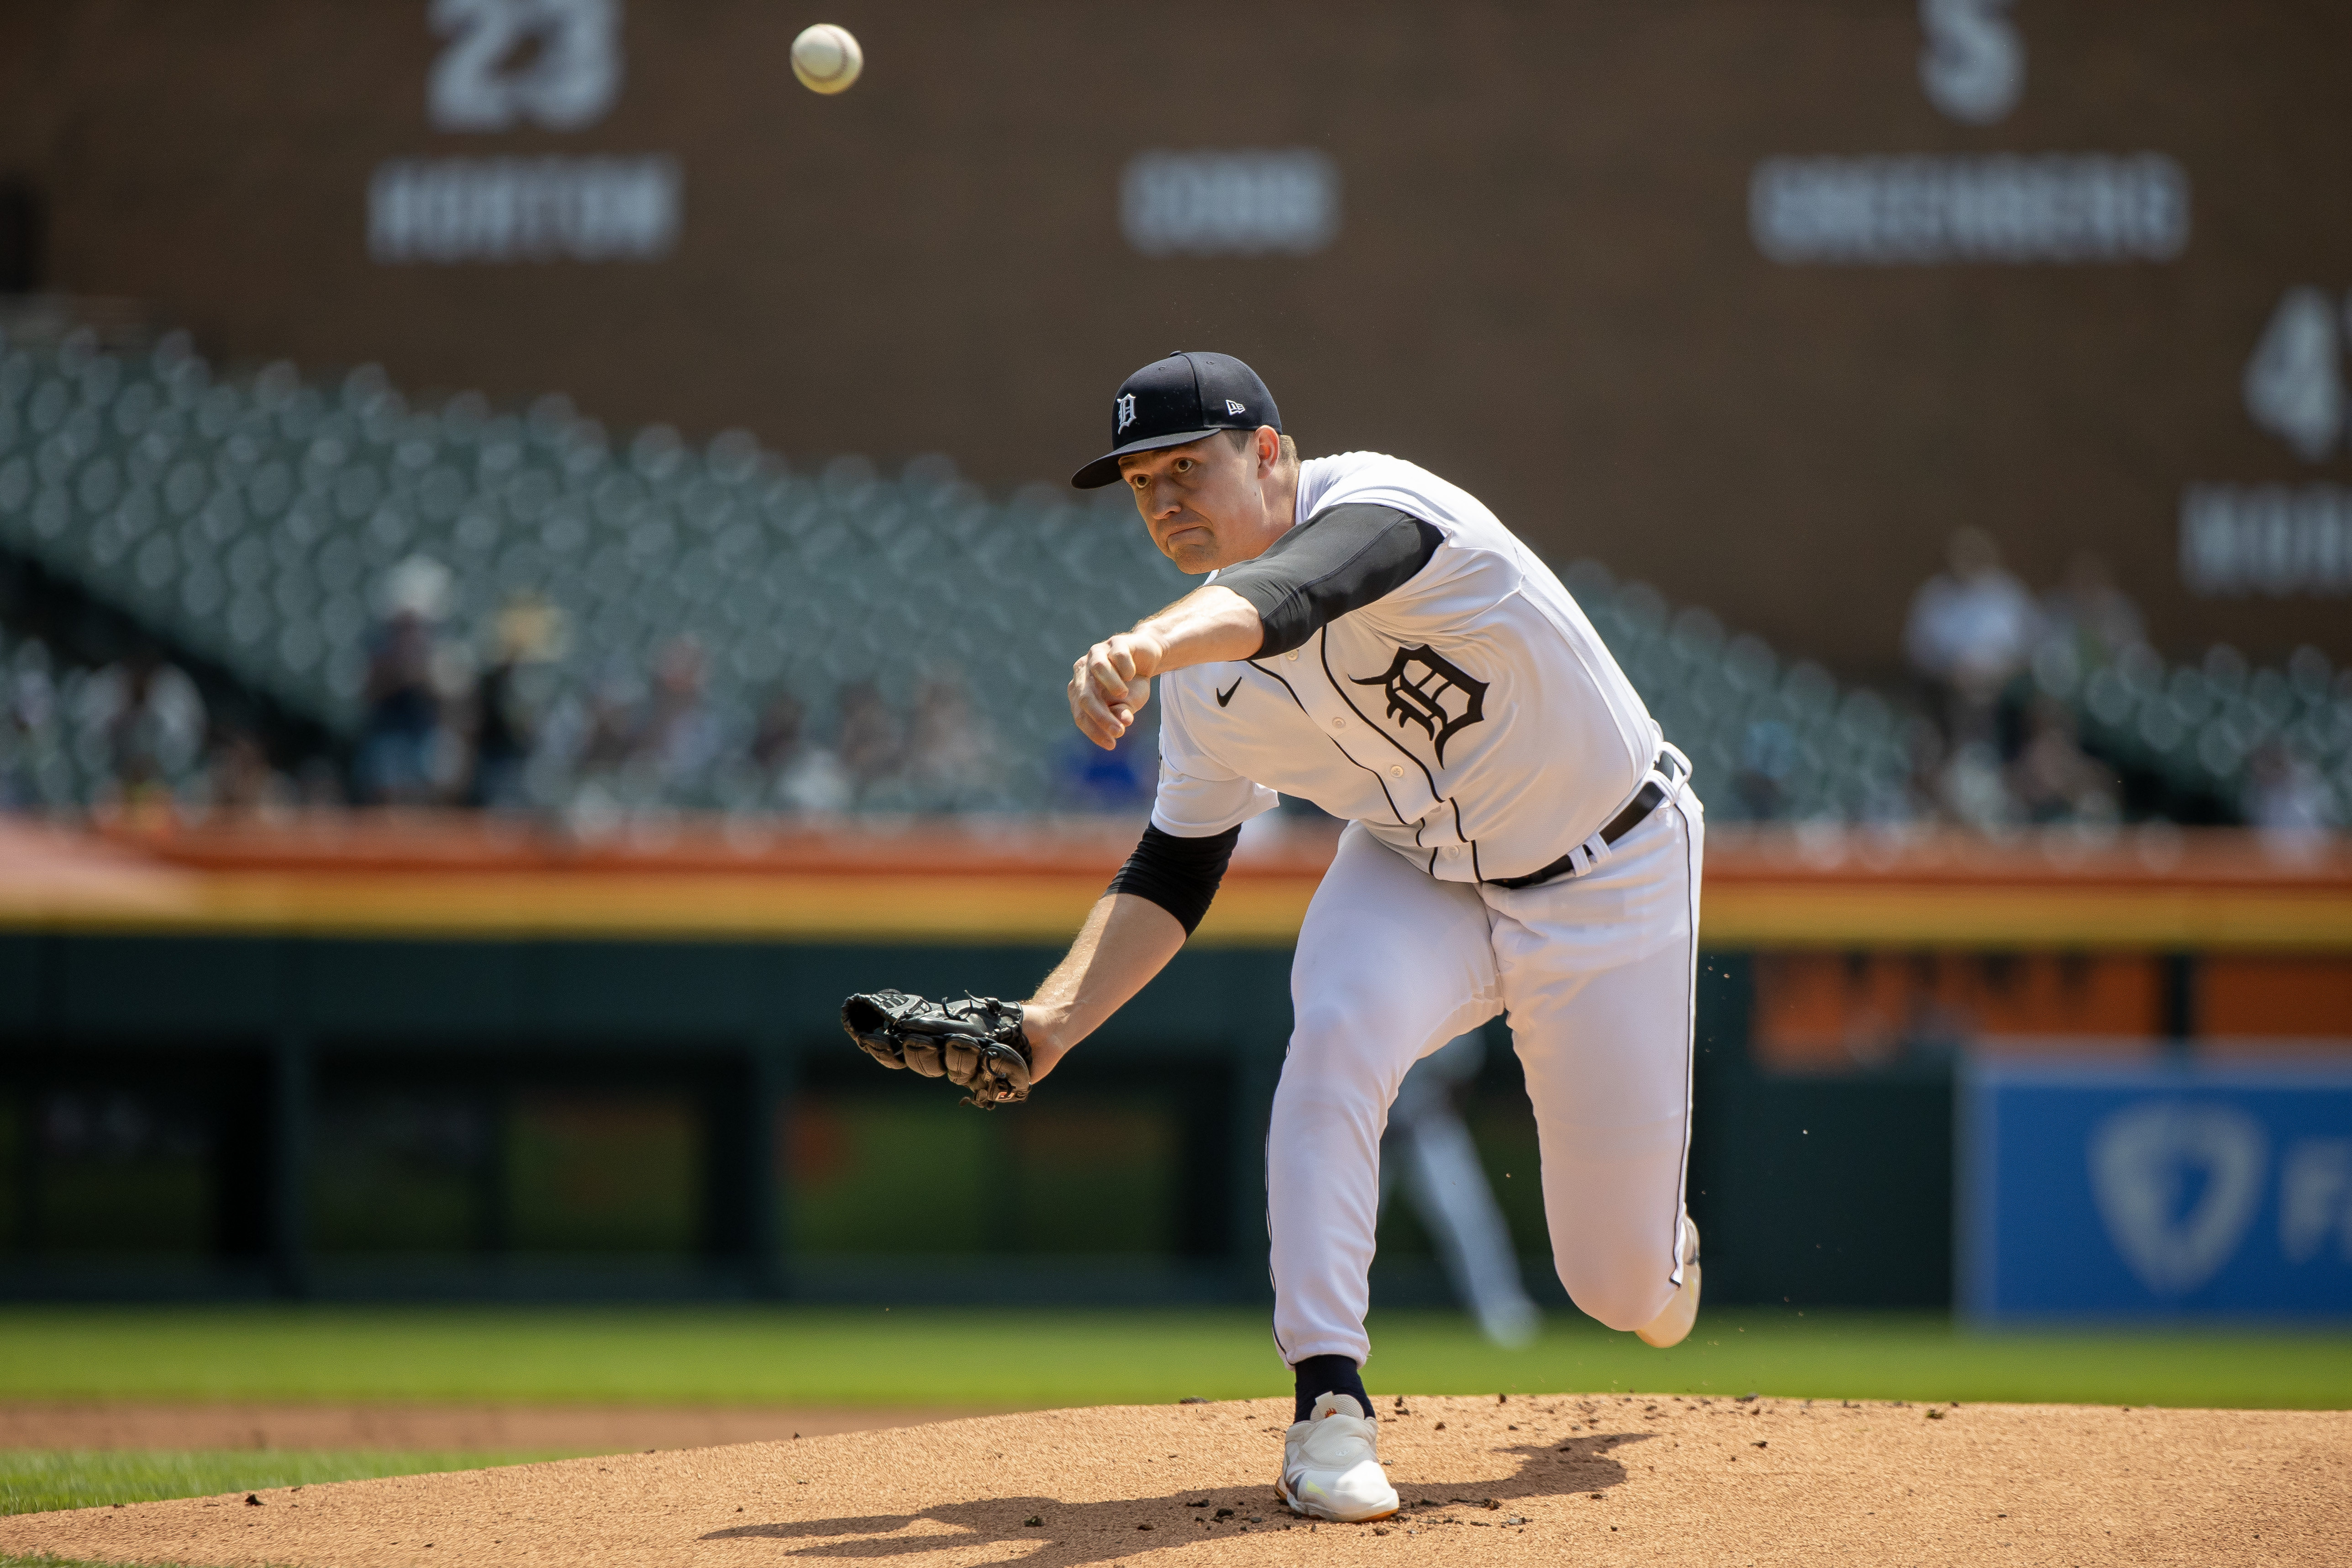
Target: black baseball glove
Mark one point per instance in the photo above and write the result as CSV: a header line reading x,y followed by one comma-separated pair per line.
x,y
975,1043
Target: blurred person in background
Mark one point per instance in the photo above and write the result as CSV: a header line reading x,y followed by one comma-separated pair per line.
x,y
873,742
1120,780
1428,1147
30,745
608,729
2089,616
151,718
2053,779
802,773
679,736
1973,789
504,726
242,783
777,738
1768,757
951,754
318,784
395,765
1970,632
401,750
1924,754
2286,800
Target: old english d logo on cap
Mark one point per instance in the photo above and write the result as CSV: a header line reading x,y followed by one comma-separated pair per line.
x,y
1178,399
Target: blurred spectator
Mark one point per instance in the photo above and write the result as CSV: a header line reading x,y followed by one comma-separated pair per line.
x,y
151,718
872,745
2052,778
1924,754
777,738
951,755
1768,755
680,736
802,776
395,766
2090,617
29,748
242,783
1970,631
1120,780
503,724
1972,789
318,784
2286,798
1428,1146
610,733
402,754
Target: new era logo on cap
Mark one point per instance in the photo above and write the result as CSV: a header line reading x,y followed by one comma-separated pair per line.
x,y
1178,399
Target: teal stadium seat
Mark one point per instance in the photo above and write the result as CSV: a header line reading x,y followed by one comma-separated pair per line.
x,y
256,520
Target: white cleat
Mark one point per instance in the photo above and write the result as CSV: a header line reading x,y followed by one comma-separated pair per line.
x,y
1668,1328
1331,1464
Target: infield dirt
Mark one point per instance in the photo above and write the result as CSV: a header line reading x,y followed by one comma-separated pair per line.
x,y
436,1428
1585,1479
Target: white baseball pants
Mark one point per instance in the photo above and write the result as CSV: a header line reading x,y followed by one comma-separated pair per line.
x,y
1597,973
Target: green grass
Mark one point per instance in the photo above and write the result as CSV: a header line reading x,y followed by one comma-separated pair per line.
x,y
36,1481
1007,1357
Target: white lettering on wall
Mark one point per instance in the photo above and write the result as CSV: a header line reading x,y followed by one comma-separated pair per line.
x,y
1974,64
2277,540
1245,202
2316,1199
1997,207
523,209
551,63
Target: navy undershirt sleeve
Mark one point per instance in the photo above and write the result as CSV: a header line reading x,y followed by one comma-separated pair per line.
x,y
1339,560
1179,874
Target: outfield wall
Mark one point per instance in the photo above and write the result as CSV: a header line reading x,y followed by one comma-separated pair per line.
x,y
402,1058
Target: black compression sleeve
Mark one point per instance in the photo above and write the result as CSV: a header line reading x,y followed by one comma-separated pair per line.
x,y
1339,560
1179,874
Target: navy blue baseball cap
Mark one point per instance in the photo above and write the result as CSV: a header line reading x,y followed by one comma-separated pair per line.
x,y
1178,399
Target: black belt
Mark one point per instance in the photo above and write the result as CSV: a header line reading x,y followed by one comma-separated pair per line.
x,y
1647,799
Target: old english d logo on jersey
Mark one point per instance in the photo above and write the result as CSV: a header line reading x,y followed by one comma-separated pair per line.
x,y
1427,689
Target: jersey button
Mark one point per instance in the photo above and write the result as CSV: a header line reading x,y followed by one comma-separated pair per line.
x,y
1339,723
1395,771
1292,656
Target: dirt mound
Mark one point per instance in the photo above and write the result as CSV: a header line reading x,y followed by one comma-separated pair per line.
x,y
434,1428
1589,1480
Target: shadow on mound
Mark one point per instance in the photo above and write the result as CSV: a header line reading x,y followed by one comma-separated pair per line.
x,y
1069,1535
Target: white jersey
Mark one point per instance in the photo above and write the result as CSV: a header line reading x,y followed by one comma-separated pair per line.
x,y
1471,718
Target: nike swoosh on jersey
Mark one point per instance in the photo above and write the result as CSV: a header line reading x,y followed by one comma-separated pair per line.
x,y
1227,694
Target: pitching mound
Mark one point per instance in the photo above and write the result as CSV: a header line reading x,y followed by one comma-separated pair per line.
x,y
1601,1479
436,1429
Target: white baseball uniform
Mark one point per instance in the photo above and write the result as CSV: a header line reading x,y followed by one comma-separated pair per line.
x,y
1471,728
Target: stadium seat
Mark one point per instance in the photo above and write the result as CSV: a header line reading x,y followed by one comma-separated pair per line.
x,y
258,521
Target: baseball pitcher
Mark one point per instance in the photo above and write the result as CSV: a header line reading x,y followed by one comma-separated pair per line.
x,y
1519,840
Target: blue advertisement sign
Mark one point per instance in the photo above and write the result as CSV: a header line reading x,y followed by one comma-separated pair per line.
x,y
2167,1191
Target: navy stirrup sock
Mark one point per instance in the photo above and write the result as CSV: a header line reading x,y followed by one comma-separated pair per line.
x,y
1321,1375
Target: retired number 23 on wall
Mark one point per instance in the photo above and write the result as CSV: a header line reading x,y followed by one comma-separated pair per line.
x,y
552,63
506,65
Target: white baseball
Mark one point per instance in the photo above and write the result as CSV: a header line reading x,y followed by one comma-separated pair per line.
x,y
827,58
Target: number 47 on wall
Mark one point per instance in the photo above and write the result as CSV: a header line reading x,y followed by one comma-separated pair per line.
x,y
2294,383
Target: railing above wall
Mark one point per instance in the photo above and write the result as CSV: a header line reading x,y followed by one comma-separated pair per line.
x,y
2159,889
